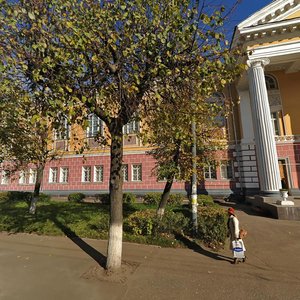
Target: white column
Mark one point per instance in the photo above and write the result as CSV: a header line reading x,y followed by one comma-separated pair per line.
x,y
267,160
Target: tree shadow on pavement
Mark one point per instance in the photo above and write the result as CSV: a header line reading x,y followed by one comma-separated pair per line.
x,y
92,252
197,248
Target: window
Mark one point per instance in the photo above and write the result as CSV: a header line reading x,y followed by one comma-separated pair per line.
x,y
95,126
271,82
53,175
22,177
4,177
275,122
98,174
86,174
64,175
32,176
132,127
64,132
136,172
210,172
125,172
226,170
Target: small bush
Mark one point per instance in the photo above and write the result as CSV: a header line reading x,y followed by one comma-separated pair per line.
x,y
44,197
129,198
146,223
176,199
205,200
15,196
212,226
152,198
76,197
4,196
102,198
140,222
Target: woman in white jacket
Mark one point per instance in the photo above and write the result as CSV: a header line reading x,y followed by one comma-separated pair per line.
x,y
234,229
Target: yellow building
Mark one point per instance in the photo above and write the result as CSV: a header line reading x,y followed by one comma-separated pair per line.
x,y
268,100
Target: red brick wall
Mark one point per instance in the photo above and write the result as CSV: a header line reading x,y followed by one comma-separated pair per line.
x,y
149,181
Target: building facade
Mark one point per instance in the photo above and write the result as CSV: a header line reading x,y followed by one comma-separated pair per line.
x,y
263,127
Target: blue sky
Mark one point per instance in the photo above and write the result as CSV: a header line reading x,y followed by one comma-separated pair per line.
x,y
243,10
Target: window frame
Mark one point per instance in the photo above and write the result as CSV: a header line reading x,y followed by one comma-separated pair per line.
x,y
125,168
136,175
96,174
95,126
32,176
64,177
228,165
52,171
208,170
87,169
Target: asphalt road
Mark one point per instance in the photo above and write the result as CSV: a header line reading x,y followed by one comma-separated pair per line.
x,y
40,267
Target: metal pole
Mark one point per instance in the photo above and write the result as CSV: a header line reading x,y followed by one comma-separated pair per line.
x,y
194,201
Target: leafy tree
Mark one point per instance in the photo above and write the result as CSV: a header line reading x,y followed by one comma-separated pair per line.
x,y
169,133
116,59
30,105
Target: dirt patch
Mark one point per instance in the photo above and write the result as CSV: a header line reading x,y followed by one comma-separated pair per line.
x,y
98,273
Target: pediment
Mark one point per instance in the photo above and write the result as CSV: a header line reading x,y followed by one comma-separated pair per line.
x,y
275,12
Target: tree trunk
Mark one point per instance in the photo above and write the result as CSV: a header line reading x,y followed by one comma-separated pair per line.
x,y
37,187
166,193
114,250
164,198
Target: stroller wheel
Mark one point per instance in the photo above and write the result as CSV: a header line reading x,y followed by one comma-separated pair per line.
x,y
244,259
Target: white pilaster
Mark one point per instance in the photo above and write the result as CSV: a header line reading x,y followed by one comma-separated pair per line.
x,y
267,160
246,120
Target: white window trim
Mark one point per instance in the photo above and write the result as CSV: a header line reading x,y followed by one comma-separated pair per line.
x,y
84,169
227,164
63,178
51,172
102,173
90,131
32,176
22,177
133,170
208,169
127,171
4,178
132,127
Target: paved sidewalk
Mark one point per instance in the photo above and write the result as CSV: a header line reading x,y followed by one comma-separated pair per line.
x,y
38,267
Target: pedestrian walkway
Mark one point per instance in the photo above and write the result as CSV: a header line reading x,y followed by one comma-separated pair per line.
x,y
40,267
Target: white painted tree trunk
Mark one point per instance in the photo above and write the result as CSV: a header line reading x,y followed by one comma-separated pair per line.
x,y
114,255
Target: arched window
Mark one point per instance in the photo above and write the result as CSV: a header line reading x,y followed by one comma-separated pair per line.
x,y
271,82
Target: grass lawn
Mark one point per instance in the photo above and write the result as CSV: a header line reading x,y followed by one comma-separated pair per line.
x,y
86,220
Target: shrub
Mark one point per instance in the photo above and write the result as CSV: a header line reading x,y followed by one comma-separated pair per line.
x,y
76,197
172,222
152,198
15,196
102,198
205,200
4,196
212,226
141,222
176,199
129,198
44,197
146,223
